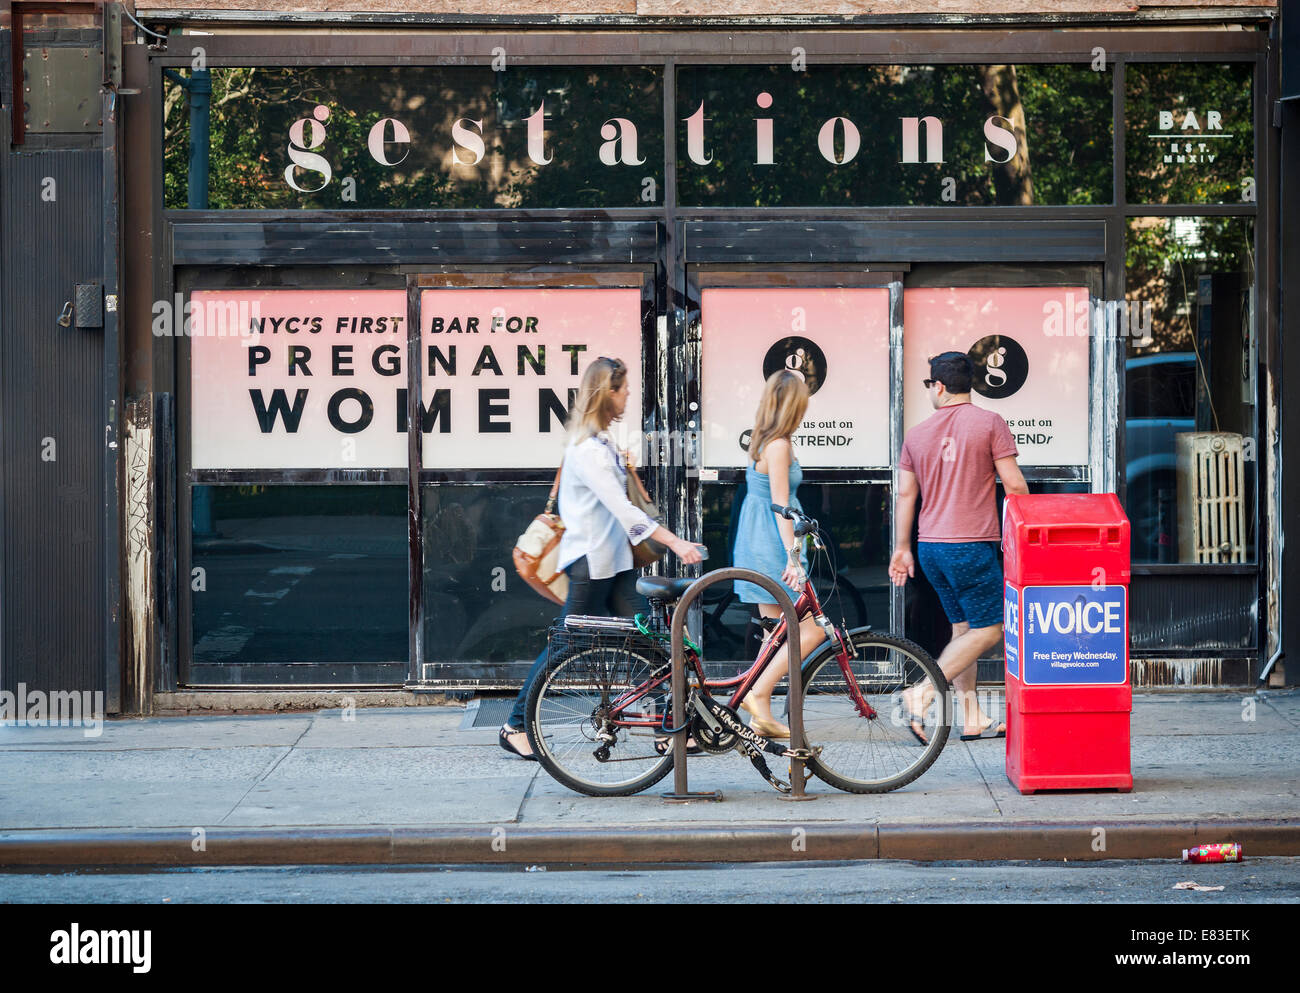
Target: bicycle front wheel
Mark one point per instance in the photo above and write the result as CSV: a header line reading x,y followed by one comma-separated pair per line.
x,y
875,753
587,716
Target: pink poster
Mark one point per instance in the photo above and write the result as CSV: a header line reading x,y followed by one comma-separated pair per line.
x,y
317,379
297,379
837,339
1030,348
500,366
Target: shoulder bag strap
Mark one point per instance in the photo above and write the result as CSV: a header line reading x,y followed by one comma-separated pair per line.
x,y
633,474
555,488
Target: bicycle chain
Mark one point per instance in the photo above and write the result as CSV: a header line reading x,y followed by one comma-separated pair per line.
x,y
714,721
756,759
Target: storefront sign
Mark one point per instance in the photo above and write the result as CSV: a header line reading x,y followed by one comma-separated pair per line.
x,y
312,382
318,379
1189,132
1184,138
837,339
502,366
1030,349
464,136
838,142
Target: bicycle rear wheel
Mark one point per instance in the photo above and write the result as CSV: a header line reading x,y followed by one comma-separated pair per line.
x,y
872,754
575,733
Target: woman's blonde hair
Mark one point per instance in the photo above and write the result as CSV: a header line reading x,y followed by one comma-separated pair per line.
x,y
594,408
784,402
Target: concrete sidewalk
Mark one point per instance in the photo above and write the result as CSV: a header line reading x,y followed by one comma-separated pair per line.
x,y
407,785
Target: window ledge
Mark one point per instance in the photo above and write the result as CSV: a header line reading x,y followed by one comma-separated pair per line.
x,y
1193,568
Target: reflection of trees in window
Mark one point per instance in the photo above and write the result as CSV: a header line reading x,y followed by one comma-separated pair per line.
x,y
1164,256
1070,129
1011,180
1193,373
1061,115
253,109
1208,151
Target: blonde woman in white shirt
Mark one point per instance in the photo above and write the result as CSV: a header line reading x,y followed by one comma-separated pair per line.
x,y
601,524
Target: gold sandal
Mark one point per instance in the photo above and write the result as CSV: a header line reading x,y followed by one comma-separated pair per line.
x,y
761,725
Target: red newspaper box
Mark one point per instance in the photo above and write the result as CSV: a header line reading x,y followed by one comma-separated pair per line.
x,y
1065,634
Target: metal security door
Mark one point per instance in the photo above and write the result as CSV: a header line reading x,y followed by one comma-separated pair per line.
x,y
57,324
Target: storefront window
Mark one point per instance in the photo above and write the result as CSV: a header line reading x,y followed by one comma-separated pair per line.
x,y
290,574
851,579
318,380
839,135
1189,133
476,609
415,137
1190,438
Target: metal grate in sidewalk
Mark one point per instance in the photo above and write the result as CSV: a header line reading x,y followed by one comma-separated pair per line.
x,y
487,712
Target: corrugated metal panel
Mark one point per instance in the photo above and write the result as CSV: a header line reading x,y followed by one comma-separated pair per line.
x,y
51,385
1193,612
208,242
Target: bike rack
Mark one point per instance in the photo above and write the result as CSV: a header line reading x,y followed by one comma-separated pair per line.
x,y
681,792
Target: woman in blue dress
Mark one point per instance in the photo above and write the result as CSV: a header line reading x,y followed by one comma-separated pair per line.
x,y
763,537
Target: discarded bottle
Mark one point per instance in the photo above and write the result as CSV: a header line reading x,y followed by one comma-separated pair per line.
x,y
1230,852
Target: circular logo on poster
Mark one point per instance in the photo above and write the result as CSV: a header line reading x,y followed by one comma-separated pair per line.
x,y
1001,366
799,355
744,439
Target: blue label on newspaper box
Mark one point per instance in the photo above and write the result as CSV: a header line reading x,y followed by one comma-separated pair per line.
x,y
1074,634
1011,627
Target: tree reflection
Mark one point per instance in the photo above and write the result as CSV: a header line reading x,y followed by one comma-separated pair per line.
x,y
1060,115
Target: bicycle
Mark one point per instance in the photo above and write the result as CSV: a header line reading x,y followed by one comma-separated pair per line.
x,y
599,713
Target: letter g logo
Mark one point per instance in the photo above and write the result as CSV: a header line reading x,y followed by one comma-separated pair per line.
x,y
300,140
1001,366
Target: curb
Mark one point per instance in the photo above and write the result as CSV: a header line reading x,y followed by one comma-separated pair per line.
x,y
511,844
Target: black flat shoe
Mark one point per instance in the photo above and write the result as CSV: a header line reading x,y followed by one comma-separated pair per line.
x,y
503,739
990,731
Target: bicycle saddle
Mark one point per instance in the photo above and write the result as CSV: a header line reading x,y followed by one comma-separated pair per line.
x,y
663,588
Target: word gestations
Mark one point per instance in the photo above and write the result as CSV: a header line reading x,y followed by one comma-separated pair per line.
x,y
838,141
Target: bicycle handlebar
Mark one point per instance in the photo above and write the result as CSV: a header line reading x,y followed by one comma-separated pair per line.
x,y
803,524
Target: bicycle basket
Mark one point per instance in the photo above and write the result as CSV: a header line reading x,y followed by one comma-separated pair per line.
x,y
600,637
608,656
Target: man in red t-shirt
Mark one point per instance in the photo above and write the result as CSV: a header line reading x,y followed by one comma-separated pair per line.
x,y
951,459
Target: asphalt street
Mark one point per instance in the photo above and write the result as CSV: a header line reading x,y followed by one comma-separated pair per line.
x,y
1260,880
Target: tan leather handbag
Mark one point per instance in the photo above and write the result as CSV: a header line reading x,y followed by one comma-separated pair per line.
x,y
537,552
